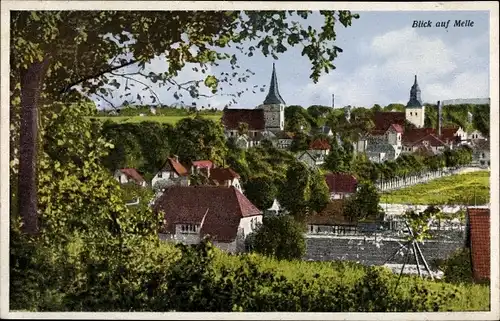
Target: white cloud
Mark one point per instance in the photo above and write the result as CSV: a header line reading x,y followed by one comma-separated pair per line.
x,y
444,71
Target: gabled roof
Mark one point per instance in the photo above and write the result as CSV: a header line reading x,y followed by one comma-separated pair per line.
x,y
231,118
432,139
224,208
319,144
424,150
223,174
480,145
396,127
341,182
172,164
132,174
416,134
479,241
384,119
202,164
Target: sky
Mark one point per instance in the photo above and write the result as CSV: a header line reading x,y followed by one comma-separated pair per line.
x,y
381,54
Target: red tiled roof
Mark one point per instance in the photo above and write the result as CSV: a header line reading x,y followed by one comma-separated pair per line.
x,y
341,182
319,144
479,229
132,174
231,118
221,175
449,133
203,164
384,119
416,134
432,139
172,164
188,204
398,128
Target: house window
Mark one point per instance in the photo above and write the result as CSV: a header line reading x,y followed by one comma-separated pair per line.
x,y
189,228
482,155
159,175
416,114
411,114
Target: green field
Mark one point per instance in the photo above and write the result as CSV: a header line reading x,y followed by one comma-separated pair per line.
x,y
161,119
470,189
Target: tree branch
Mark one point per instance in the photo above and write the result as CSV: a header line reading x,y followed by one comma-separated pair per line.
x,y
69,86
106,100
142,83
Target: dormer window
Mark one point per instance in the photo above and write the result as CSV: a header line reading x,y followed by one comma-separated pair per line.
x,y
189,228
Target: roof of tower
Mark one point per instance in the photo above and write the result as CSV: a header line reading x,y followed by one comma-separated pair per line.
x,y
273,96
415,84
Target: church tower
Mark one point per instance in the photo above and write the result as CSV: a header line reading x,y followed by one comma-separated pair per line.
x,y
415,110
274,106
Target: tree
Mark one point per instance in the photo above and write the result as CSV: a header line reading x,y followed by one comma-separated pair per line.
x,y
280,237
300,142
364,204
127,151
294,195
261,191
199,138
481,119
320,193
50,56
335,160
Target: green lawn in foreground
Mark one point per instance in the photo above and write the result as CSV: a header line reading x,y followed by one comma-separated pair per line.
x,y
161,119
471,189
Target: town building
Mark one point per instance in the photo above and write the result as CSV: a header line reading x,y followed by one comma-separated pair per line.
x,y
172,172
266,121
415,110
478,241
129,175
341,185
194,212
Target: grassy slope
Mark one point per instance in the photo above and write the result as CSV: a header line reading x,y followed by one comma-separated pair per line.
x,y
162,119
470,188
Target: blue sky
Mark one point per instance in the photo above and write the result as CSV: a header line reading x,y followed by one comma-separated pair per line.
x,y
381,55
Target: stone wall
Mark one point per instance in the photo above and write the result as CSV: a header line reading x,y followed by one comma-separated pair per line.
x,y
369,251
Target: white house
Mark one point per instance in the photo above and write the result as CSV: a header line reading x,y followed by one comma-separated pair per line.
x,y
285,139
129,175
307,158
319,149
481,152
171,173
475,135
193,212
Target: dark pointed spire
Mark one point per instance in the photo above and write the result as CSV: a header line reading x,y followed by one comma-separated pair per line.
x,y
415,99
273,96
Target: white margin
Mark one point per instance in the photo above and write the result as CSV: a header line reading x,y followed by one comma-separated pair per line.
x,y
492,6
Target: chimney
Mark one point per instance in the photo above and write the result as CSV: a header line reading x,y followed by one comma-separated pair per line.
x,y
439,118
176,158
333,100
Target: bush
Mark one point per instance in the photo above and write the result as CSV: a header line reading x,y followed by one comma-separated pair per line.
x,y
280,237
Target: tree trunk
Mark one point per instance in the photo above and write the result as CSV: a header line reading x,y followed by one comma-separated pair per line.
x,y
31,83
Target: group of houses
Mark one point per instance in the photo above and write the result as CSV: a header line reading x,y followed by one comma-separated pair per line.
x,y
217,207
390,137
